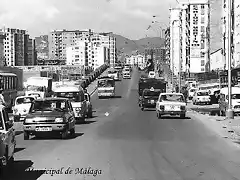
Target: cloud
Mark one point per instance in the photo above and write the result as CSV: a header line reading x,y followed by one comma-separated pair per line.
x,y
126,17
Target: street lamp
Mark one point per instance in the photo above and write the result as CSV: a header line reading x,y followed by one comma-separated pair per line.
x,y
230,113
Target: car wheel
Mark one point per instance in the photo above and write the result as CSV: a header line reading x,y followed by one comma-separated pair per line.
x,y
142,108
183,116
72,132
26,135
90,114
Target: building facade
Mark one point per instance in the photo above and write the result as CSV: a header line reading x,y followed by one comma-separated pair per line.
x,y
189,37
31,55
175,40
235,40
15,46
2,57
217,61
87,54
59,40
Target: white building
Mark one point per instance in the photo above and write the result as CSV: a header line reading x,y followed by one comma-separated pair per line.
x,y
235,29
217,61
136,59
87,54
175,39
199,12
76,54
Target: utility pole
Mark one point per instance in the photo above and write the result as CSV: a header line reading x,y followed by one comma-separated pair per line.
x,y
230,113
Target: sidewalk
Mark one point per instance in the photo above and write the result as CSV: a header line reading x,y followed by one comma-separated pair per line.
x,y
18,126
225,128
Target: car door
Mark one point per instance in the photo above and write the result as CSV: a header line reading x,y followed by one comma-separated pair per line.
x,y
10,133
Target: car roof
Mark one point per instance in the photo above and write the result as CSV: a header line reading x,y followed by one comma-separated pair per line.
x,y
69,88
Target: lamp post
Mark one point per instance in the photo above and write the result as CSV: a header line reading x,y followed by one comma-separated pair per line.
x,y
229,114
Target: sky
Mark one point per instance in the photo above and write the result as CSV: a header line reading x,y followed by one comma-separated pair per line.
x,y
129,18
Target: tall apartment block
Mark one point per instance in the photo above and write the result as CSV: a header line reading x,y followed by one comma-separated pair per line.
x,y
2,57
59,40
235,37
189,38
15,46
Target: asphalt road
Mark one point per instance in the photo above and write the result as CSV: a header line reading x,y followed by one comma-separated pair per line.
x,y
123,143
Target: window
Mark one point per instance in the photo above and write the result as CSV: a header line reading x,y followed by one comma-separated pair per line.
x,y
202,20
202,69
202,63
202,55
202,28
202,45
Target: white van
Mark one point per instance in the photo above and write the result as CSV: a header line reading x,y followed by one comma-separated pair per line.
x,y
223,100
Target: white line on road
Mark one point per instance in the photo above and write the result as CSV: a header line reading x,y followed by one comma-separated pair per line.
x,y
131,84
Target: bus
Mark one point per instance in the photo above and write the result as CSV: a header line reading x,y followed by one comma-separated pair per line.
x,y
9,84
106,87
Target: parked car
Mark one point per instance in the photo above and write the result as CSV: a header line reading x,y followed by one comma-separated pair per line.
x,y
7,139
171,104
22,106
48,116
201,97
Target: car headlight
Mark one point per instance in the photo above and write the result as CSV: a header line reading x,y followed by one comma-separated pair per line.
x,y
24,110
27,120
59,120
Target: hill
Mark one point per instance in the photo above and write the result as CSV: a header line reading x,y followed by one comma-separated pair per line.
x,y
128,46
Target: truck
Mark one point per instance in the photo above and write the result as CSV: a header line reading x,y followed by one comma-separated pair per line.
x,y
150,83
39,86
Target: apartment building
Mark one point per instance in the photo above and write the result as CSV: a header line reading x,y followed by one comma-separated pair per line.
x,y
31,55
136,60
59,40
175,39
15,46
235,40
87,54
189,37
2,57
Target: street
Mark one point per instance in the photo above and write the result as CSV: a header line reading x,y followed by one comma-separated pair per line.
x,y
121,142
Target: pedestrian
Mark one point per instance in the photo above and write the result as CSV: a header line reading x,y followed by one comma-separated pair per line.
x,y
2,101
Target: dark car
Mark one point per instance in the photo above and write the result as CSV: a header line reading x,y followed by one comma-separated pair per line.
x,y
50,115
149,98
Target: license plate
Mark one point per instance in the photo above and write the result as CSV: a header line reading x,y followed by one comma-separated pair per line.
x,y
152,101
43,129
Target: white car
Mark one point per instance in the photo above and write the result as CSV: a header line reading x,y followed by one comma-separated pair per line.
x,y
191,93
22,107
201,97
171,104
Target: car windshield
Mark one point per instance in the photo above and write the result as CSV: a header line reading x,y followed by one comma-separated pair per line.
x,y
36,88
172,97
24,100
205,93
72,96
112,72
151,93
49,105
106,83
192,90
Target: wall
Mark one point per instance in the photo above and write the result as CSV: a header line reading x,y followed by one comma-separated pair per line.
x,y
217,60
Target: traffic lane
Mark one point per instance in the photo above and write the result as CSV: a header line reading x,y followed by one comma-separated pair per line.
x,y
40,152
169,148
